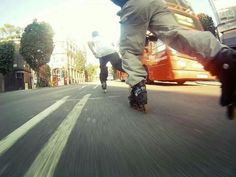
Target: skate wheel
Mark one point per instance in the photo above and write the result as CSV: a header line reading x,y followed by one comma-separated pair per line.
x,y
145,108
231,111
105,91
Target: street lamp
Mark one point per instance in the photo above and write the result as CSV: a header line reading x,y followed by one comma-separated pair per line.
x,y
214,10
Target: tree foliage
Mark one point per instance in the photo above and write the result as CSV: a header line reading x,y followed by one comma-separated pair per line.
x,y
80,61
37,44
7,50
207,23
9,32
90,72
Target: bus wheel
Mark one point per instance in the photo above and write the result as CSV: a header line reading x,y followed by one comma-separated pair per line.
x,y
180,82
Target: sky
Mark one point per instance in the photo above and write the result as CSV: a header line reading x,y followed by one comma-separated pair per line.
x,y
76,19
73,18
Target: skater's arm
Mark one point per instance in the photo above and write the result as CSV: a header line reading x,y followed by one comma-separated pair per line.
x,y
91,47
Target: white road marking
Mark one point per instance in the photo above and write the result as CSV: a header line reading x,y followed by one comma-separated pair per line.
x,y
113,96
94,121
11,139
45,163
95,86
4,168
98,98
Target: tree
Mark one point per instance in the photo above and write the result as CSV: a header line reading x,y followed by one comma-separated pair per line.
x,y
45,75
80,61
10,32
7,50
207,23
90,71
37,44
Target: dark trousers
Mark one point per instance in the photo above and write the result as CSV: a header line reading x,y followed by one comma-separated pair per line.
x,y
115,61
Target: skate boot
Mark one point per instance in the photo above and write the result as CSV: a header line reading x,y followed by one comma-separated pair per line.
x,y
104,86
138,97
224,68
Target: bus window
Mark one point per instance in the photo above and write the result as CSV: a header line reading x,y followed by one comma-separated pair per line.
x,y
184,20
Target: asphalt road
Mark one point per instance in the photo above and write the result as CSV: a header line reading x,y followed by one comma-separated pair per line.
x,y
78,131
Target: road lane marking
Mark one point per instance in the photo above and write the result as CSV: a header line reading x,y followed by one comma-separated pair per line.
x,y
100,97
4,168
45,163
94,121
113,96
95,86
11,139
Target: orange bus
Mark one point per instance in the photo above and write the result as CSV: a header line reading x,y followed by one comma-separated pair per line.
x,y
163,63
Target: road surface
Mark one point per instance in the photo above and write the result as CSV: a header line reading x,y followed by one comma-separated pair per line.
x,y
78,131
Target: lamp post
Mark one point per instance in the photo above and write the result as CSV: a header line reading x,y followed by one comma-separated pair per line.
x,y
217,17
214,10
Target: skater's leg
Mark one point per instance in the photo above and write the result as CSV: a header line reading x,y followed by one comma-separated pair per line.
x,y
103,72
138,15
224,67
138,97
116,62
200,44
134,23
219,59
131,48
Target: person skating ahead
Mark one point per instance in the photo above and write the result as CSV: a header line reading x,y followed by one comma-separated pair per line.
x,y
105,51
138,16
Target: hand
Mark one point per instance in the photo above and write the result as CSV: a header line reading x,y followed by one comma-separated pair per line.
x,y
95,55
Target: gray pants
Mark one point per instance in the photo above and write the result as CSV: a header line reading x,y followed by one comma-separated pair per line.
x,y
138,16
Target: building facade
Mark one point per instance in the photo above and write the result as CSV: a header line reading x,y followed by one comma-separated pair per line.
x,y
21,75
63,64
227,26
225,13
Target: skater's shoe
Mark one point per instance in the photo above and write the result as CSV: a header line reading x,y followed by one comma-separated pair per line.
x,y
224,67
138,97
104,86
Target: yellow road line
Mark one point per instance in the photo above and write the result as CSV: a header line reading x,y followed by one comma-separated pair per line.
x,y
45,163
11,139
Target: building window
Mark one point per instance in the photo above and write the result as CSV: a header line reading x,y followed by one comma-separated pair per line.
x,y
19,75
